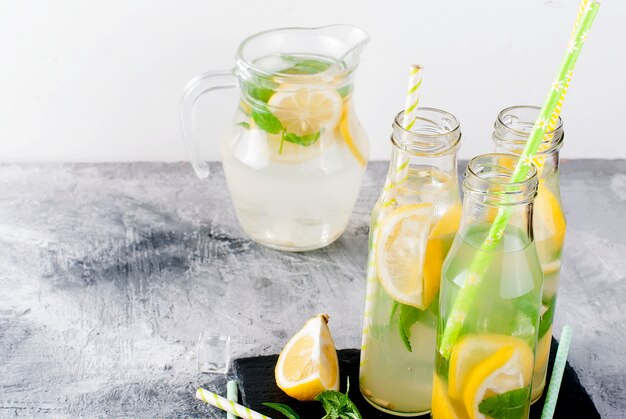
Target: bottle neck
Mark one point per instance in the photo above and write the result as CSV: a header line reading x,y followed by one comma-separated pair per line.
x,y
511,131
405,164
488,192
428,148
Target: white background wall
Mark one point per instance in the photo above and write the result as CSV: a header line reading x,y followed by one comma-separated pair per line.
x,y
100,80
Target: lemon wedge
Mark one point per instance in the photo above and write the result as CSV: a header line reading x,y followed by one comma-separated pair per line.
x,y
400,249
346,134
439,241
549,218
442,406
308,363
305,111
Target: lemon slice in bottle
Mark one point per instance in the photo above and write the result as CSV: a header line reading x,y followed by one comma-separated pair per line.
x,y
400,248
550,223
308,363
510,368
471,350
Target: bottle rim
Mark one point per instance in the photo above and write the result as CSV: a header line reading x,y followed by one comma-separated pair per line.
x,y
428,137
489,175
550,144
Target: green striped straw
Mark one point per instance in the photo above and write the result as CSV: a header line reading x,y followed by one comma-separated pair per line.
x,y
232,393
557,373
408,121
228,405
467,295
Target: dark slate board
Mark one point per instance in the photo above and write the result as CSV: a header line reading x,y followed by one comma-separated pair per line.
x,y
256,384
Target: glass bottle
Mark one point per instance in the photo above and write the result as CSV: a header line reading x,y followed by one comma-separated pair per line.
x,y
412,227
486,369
510,134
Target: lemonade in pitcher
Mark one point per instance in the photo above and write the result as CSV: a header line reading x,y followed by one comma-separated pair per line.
x,y
412,227
295,153
294,167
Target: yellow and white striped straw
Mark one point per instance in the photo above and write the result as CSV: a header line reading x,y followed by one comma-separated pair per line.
x,y
412,96
228,405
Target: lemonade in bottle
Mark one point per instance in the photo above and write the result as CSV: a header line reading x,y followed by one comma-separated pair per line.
x,y
511,132
412,227
487,369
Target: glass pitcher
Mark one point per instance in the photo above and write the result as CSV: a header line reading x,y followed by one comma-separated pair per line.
x,y
295,153
511,131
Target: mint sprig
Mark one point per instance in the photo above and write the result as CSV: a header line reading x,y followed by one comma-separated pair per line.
x,y
546,320
284,409
509,405
338,405
407,317
305,140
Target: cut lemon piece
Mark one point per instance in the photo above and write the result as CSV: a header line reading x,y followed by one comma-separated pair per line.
x,y
510,368
442,406
439,242
471,350
346,134
304,111
400,248
549,220
308,363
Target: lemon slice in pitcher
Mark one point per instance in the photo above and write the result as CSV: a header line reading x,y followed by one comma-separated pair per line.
x,y
550,224
400,248
305,111
308,363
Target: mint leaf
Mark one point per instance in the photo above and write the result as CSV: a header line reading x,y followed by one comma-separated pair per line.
x,y
267,121
259,88
284,409
338,405
244,124
394,309
546,319
305,66
343,91
409,315
305,140
509,405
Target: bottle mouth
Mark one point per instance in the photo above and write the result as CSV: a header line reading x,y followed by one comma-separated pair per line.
x,y
435,133
514,124
489,175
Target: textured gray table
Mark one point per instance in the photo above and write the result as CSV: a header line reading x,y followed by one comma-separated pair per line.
x,y
109,272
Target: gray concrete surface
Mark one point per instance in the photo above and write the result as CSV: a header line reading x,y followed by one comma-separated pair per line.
x,y
109,272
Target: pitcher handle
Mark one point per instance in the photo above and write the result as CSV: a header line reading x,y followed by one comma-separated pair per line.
x,y
198,86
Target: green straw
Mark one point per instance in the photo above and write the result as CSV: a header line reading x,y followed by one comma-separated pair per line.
x,y
557,373
232,394
467,295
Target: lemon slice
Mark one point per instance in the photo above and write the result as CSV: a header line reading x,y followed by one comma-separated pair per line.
x,y
510,368
346,134
471,350
439,242
442,406
304,111
308,363
549,218
400,248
